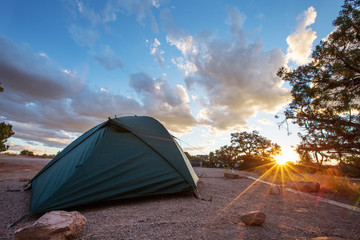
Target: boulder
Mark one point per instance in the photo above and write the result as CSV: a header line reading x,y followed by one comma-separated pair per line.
x,y
55,225
304,186
255,218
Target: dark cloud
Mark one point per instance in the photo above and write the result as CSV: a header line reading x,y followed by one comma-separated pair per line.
x,y
51,105
23,71
102,104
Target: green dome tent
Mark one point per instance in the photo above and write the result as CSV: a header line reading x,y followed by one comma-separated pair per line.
x,y
124,157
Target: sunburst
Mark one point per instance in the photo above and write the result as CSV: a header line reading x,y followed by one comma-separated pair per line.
x,y
281,160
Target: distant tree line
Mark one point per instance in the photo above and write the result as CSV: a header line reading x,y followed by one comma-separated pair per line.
x,y
31,154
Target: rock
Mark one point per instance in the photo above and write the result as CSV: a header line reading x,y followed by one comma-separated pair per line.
x,y
275,190
55,225
231,175
254,218
304,186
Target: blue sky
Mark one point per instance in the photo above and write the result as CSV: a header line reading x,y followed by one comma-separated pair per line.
x,y
202,68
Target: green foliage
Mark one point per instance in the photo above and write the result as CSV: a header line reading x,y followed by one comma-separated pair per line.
x,y
247,151
253,143
251,162
27,153
213,161
326,93
227,156
5,132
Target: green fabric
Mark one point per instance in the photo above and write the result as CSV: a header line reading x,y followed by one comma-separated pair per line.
x,y
122,158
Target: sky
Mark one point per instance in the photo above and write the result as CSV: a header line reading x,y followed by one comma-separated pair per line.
x,y
204,69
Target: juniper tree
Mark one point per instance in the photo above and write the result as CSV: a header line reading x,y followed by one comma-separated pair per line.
x,y
326,93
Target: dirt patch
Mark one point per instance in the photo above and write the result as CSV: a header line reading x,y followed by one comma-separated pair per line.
x,y
181,216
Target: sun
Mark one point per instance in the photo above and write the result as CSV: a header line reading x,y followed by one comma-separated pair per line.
x,y
281,160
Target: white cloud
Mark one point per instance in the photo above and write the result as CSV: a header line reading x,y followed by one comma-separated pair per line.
x,y
300,42
238,79
265,122
157,52
169,104
184,44
184,65
188,48
201,148
156,3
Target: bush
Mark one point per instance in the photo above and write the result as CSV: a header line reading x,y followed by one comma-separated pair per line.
x,y
27,153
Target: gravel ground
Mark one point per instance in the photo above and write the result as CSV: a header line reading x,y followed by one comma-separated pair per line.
x,y
181,216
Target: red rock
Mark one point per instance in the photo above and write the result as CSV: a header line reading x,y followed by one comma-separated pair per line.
x,y
254,218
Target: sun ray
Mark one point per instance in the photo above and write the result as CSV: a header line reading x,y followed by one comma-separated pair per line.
x,y
295,170
243,192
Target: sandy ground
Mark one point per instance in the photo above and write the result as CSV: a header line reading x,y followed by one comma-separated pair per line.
x,y
181,216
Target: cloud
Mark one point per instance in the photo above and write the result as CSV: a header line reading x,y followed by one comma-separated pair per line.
x,y
88,13
32,132
83,36
107,58
170,104
187,47
52,105
300,42
16,74
142,9
201,149
87,33
237,79
157,52
156,3
183,41
103,104
265,122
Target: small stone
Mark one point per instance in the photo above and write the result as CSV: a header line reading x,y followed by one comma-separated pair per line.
x,y
255,218
55,225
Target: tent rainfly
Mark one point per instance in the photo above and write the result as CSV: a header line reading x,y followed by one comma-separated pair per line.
x,y
124,157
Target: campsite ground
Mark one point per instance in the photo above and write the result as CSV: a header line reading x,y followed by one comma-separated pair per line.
x,y
290,215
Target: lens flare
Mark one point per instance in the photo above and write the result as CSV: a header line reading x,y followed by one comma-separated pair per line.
x,y
281,160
